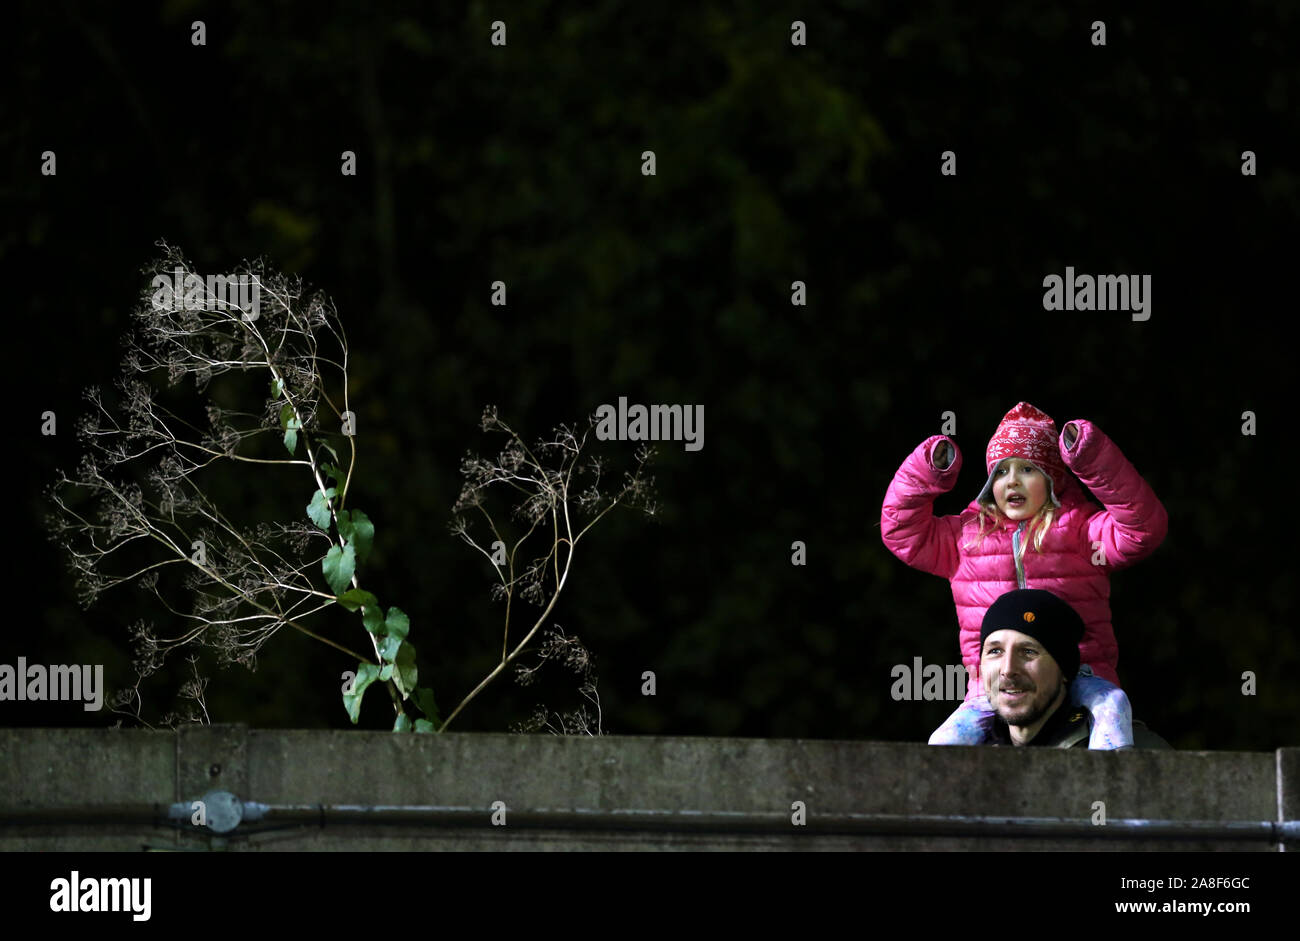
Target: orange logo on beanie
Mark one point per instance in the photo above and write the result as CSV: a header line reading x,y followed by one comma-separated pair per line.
x,y
1029,616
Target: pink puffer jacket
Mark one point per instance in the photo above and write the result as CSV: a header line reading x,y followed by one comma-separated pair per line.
x,y
1130,527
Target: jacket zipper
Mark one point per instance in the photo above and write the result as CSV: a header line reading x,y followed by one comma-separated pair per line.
x,y
1015,554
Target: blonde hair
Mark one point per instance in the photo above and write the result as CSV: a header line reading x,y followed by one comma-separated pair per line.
x,y
990,516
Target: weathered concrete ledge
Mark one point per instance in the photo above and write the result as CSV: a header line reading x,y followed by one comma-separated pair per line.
x,y
88,789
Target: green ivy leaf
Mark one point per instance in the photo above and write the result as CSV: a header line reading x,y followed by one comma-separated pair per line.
x,y
423,697
424,725
366,674
335,473
319,508
398,624
277,388
403,723
290,426
388,648
386,673
406,673
339,565
373,619
333,453
356,598
360,532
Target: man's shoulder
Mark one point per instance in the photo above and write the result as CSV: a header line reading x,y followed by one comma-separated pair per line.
x,y
1075,731
1143,737
1071,727
1071,732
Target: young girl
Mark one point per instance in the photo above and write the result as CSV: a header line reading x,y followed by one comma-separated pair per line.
x,y
1031,526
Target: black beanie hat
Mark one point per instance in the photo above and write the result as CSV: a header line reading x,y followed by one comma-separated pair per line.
x,y
1044,617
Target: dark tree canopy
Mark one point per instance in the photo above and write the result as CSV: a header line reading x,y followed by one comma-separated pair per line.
x,y
774,164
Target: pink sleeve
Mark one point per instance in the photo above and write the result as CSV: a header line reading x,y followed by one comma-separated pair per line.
x,y
908,525
1134,521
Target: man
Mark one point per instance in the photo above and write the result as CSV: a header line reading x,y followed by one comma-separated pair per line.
x,y
1029,651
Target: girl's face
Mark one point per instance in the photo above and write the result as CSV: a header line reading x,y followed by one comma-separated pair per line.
x,y
1019,489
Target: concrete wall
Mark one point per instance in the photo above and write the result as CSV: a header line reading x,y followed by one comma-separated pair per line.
x,y
77,789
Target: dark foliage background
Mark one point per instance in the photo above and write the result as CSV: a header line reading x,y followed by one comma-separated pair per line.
x,y
775,164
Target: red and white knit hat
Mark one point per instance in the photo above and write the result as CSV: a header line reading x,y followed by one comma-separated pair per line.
x,y
1030,434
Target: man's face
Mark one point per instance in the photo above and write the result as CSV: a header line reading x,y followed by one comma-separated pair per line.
x,y
1021,678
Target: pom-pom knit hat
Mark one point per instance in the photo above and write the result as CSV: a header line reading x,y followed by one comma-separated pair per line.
x,y
1030,434
1046,617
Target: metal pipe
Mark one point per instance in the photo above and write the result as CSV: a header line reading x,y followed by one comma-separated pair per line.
x,y
695,821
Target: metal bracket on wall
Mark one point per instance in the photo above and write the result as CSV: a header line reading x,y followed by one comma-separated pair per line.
x,y
218,811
